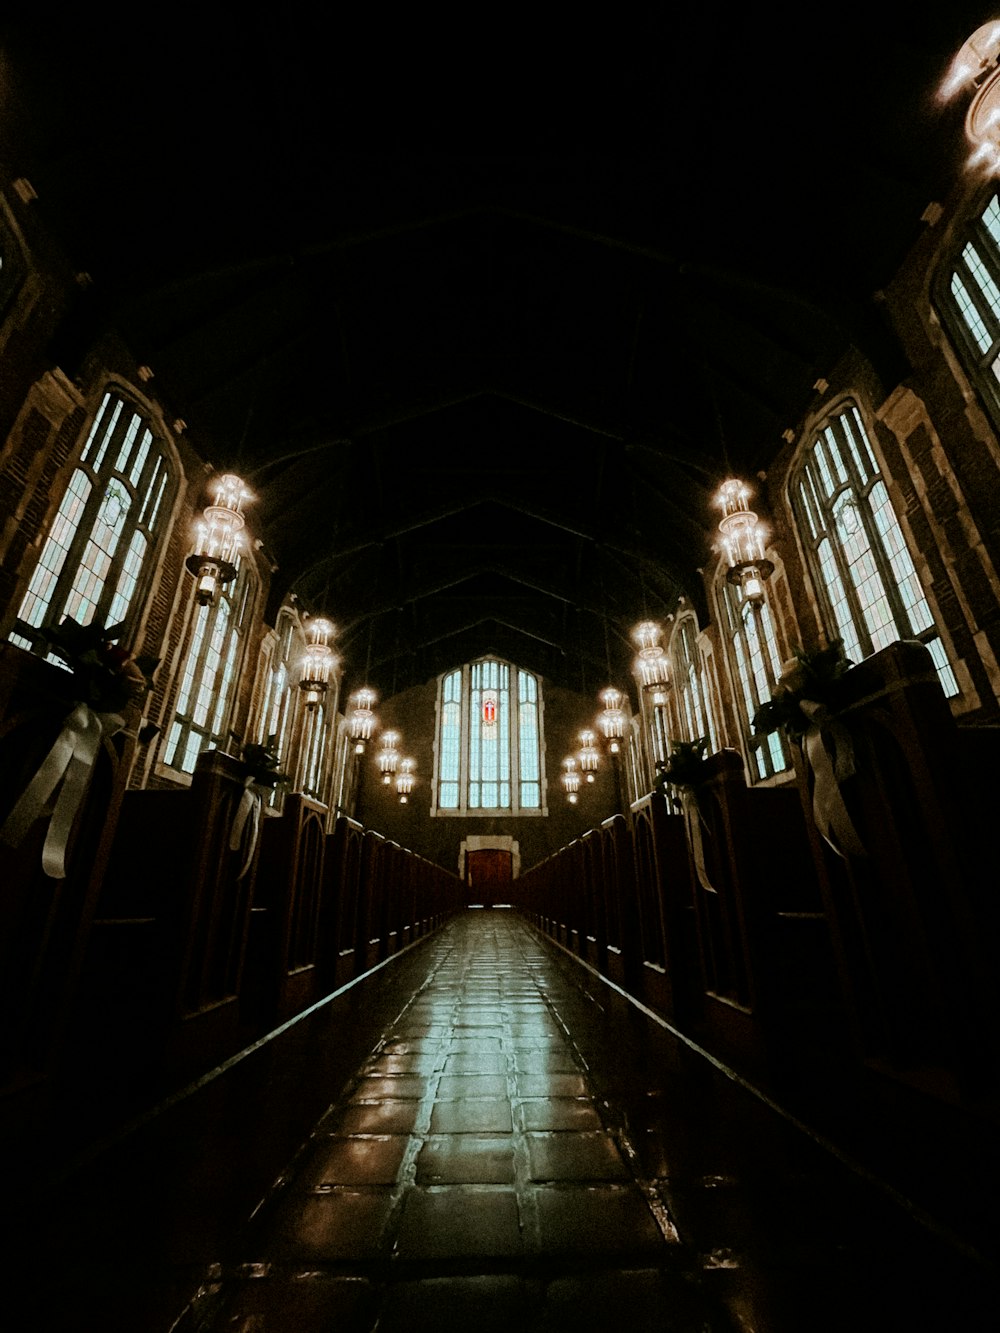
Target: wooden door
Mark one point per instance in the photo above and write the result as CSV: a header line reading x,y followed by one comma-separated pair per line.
x,y
488,877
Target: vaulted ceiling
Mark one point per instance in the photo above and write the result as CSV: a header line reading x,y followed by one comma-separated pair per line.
x,y
484,314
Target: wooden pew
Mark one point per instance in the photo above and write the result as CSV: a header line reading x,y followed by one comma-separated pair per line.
x,y
914,914
46,923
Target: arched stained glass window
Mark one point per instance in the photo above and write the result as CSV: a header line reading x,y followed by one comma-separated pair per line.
x,y
101,547
315,744
489,741
868,587
693,699
970,301
207,687
756,664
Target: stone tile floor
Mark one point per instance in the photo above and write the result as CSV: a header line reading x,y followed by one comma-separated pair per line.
x,y
524,1150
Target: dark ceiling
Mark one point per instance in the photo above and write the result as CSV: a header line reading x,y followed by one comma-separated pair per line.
x,y
484,311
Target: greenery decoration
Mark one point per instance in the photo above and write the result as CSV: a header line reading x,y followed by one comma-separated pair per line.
x,y
261,763
682,767
106,676
808,676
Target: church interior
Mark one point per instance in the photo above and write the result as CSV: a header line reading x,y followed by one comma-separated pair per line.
x,y
499,687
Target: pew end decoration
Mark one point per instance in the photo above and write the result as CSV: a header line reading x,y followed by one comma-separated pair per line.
x,y
807,680
106,683
261,776
679,777
804,704
682,769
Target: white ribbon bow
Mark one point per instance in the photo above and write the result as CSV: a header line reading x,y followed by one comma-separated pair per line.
x,y
70,761
829,811
247,816
693,821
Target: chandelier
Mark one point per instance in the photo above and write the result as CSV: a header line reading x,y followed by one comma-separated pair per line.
x,y
361,723
388,756
976,66
589,755
743,540
405,779
612,719
651,663
318,662
218,539
570,780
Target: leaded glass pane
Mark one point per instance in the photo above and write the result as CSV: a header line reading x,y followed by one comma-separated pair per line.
x,y
970,315
104,534
43,581
862,561
981,276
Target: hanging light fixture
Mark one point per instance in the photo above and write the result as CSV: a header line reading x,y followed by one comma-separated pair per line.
x,y
318,662
743,539
976,66
361,723
570,780
589,755
651,664
388,756
612,719
218,539
405,779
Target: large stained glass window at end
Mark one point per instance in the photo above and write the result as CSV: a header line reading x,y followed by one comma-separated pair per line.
x,y
488,754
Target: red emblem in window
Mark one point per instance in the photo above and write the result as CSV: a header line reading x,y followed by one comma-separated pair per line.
x,y
489,711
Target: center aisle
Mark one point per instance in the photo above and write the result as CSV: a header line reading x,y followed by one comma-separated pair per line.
x,y
525,1150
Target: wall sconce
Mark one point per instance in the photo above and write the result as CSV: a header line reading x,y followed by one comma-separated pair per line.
x,y
388,756
405,779
361,723
589,756
218,539
318,662
743,540
570,780
612,720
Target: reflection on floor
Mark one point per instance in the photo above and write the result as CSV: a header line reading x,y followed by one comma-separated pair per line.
x,y
522,1149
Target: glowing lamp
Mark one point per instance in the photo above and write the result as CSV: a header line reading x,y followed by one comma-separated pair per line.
x,y
388,756
612,719
589,755
651,664
570,780
361,723
405,779
743,539
976,67
218,539
318,662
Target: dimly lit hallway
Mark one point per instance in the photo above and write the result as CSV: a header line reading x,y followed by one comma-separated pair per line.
x,y
521,1148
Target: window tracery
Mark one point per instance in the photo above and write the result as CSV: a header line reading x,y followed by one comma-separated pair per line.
x,y
868,587
100,550
489,731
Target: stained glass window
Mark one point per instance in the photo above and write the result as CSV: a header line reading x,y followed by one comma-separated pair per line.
x,y
868,585
691,686
208,679
971,304
489,740
98,555
756,663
